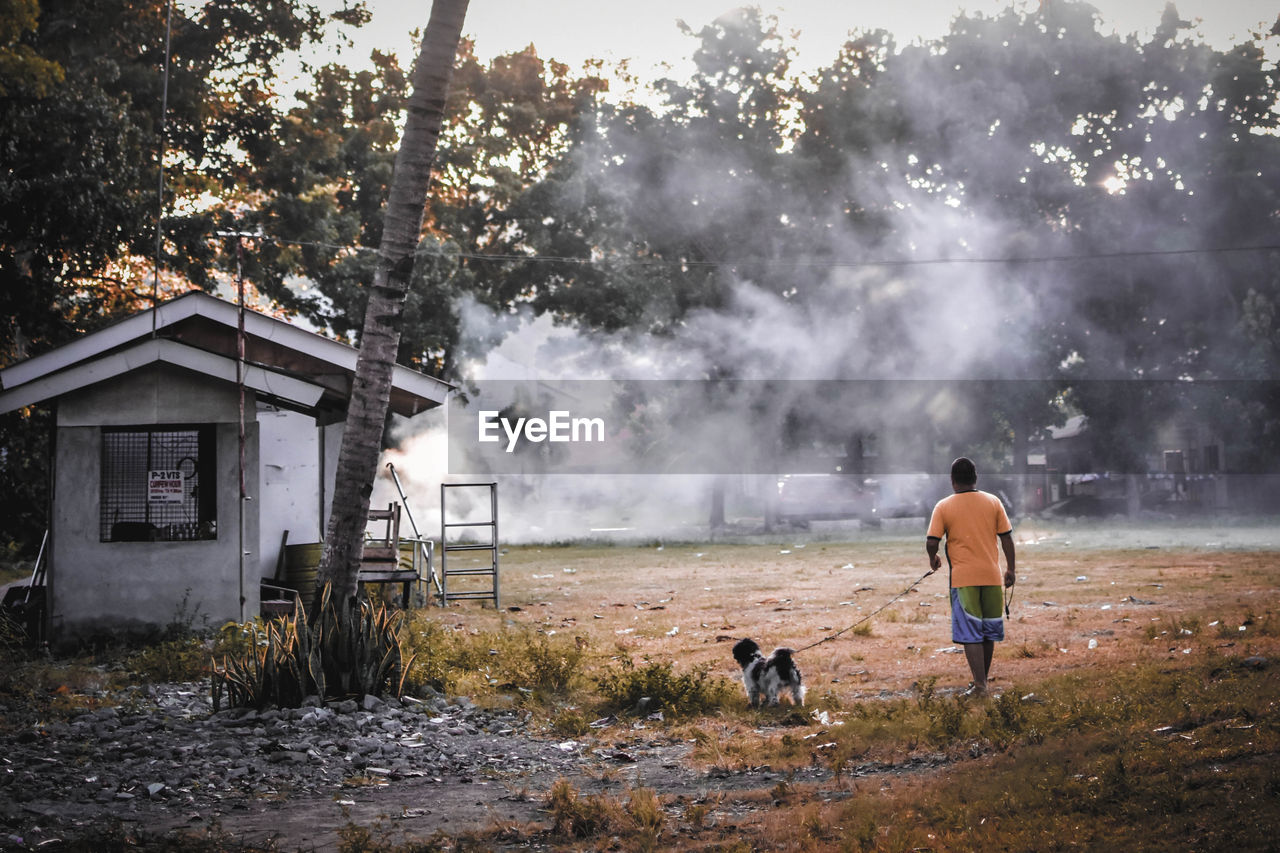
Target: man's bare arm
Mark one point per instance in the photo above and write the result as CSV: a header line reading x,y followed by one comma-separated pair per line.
x,y
1010,572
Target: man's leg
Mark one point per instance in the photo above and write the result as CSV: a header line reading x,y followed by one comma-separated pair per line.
x,y
979,659
988,652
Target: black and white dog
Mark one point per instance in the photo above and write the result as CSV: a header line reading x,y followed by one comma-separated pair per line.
x,y
765,678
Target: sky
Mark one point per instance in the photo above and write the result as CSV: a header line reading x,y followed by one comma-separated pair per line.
x,y
646,33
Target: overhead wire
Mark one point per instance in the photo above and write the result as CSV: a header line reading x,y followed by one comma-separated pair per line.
x,y
810,262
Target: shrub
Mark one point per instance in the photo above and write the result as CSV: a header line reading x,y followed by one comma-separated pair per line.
x,y
351,649
523,660
184,659
576,816
692,693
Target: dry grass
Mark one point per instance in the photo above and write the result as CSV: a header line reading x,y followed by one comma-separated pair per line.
x,y
1156,738
684,603
1162,736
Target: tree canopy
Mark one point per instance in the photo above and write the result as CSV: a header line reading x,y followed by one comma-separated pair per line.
x,y
1021,199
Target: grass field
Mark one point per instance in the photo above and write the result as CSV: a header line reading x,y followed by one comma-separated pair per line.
x,y
1136,703
1135,707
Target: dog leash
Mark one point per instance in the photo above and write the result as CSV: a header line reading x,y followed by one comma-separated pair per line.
x,y
913,585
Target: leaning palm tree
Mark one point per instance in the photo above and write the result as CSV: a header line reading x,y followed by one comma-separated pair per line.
x,y
380,338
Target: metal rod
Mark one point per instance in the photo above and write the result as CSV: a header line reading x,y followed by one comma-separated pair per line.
x,y
404,501
35,570
164,131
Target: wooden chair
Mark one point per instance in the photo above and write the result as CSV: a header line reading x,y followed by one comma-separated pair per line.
x,y
379,551
381,561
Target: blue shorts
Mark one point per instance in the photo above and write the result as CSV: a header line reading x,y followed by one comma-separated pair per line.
x,y
976,614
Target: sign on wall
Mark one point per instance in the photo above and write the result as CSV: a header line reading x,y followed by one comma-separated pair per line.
x,y
164,486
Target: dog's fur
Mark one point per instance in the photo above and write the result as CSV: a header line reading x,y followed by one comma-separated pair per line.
x,y
766,678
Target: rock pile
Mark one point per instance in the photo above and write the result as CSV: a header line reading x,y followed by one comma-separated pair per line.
x,y
164,749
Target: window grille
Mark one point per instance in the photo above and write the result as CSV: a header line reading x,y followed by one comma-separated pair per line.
x,y
158,484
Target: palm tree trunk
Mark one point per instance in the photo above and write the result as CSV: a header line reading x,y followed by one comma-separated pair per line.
x,y
380,338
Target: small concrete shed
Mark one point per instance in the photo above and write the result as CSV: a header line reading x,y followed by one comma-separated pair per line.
x,y
147,518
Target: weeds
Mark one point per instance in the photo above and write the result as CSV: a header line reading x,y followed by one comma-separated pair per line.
x,y
520,661
681,694
179,659
576,816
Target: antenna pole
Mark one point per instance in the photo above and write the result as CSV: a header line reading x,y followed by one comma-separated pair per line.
x,y
164,134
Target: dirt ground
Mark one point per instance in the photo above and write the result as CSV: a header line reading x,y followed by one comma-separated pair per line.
x,y
1088,596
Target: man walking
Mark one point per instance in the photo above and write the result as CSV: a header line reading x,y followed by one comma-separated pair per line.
x,y
972,522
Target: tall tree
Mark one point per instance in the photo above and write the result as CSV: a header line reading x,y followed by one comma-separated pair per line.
x,y
80,101
380,339
324,180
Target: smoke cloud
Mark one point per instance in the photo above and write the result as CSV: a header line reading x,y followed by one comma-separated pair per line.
x,y
887,348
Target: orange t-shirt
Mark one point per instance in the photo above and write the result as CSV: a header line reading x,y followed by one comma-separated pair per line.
x,y
971,522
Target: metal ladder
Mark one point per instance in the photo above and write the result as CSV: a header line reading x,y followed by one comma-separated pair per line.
x,y
448,547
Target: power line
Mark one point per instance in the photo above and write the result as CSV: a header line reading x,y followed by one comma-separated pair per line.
x,y
817,263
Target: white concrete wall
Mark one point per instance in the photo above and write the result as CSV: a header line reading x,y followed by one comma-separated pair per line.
x,y
109,587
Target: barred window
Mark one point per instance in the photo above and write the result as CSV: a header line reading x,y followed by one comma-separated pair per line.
x,y
158,484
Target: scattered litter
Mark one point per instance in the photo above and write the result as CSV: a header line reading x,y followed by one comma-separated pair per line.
x,y
1213,624
1186,651
1081,578
542,577
1051,604
822,717
1129,599
948,650
624,631
569,571
603,722
784,552
1064,651
1106,607
1241,627
675,630
1184,631
797,546
1093,644
847,566
567,746
700,554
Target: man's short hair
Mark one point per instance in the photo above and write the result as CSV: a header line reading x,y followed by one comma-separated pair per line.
x,y
964,472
